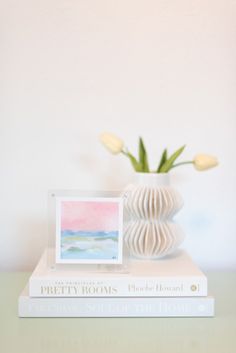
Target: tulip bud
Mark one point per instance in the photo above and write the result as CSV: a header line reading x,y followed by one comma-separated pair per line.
x,y
113,143
203,162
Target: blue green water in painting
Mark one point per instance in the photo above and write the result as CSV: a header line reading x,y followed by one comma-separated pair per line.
x,y
88,245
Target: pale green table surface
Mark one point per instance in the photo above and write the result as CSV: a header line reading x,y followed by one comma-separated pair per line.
x,y
139,335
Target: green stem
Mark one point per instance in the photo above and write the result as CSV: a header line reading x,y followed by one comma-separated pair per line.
x,y
181,163
136,165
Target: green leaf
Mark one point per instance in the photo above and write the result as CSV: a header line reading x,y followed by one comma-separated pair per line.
x,y
163,160
136,165
170,161
143,160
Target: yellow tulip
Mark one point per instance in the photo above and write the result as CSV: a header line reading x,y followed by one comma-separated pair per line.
x,y
203,162
113,143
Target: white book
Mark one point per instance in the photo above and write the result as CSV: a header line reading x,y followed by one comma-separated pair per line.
x,y
174,276
115,307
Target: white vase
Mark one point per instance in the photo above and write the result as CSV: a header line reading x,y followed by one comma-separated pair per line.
x,y
151,204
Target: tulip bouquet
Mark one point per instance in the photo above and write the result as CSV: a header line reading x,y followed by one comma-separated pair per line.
x,y
167,162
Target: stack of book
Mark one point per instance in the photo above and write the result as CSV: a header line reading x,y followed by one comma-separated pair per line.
x,y
169,287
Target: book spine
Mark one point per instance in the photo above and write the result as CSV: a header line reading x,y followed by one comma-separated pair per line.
x,y
115,307
148,287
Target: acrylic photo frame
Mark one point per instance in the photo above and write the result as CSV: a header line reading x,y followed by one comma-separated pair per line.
x,y
117,263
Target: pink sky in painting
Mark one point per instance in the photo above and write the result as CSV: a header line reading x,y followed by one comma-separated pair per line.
x,y
83,215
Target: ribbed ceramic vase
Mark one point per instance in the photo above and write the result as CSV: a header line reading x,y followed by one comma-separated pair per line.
x,y
150,205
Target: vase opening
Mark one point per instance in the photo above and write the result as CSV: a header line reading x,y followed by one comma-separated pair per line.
x,y
153,179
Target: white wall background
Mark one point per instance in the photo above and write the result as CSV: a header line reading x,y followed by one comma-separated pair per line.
x,y
70,69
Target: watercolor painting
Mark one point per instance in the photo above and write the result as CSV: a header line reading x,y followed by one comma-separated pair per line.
x,y
89,230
